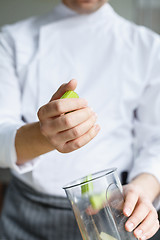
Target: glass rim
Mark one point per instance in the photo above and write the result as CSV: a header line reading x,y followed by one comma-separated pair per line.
x,y
95,176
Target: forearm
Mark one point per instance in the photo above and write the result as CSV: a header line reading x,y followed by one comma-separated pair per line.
x,y
148,184
30,143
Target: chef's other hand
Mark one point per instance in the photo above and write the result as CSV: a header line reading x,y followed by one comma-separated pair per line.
x,y
67,132
143,218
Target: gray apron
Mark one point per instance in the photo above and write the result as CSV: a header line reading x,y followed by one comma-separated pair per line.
x,y
30,215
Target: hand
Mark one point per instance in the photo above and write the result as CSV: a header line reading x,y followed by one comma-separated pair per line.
x,y
143,218
67,132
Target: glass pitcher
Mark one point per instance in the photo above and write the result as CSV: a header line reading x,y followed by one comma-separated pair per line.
x,y
97,201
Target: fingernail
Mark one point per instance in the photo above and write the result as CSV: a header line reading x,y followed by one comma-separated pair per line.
x,y
143,238
138,232
127,211
130,226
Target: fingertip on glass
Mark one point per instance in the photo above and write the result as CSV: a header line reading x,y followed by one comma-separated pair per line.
x,y
129,226
138,233
127,211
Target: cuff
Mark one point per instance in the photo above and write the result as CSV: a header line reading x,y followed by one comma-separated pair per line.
x,y
8,156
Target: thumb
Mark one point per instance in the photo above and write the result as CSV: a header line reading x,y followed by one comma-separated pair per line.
x,y
71,85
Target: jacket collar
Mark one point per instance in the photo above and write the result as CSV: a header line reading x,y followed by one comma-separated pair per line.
x,y
64,12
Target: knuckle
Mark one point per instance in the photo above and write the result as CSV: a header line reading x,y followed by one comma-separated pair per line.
x,y
135,219
77,145
67,121
75,132
58,107
133,190
40,113
66,148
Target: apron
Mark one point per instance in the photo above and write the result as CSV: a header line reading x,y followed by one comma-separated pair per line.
x,y
30,215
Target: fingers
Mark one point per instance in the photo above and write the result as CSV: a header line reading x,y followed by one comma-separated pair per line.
x,y
140,212
67,132
143,218
81,141
148,227
58,107
130,201
71,85
77,131
73,119
66,122
151,233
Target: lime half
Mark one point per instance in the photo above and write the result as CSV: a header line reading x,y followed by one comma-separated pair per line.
x,y
70,94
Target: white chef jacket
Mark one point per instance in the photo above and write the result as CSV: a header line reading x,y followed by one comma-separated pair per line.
x,y
117,65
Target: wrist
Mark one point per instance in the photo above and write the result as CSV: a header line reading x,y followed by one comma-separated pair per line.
x,y
148,185
30,143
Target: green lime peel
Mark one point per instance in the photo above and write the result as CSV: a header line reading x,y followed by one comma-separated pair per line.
x,y
88,187
70,94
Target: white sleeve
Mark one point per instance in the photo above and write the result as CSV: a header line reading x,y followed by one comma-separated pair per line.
x,y
10,106
147,123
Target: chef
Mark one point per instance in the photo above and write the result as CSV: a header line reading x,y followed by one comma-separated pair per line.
x,y
81,45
